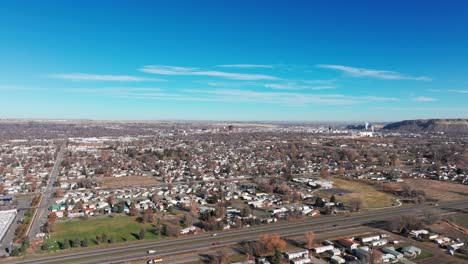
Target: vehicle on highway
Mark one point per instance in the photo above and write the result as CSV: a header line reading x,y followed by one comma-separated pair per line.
x,y
151,251
334,225
213,235
152,261
215,243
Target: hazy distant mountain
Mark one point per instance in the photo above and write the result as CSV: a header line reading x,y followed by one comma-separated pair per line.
x,y
459,126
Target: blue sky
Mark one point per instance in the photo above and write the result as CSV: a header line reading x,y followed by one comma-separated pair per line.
x,y
234,60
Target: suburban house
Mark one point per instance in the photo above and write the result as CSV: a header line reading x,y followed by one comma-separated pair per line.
x,y
319,250
361,254
369,239
391,250
378,243
337,260
419,233
411,251
389,258
298,257
347,243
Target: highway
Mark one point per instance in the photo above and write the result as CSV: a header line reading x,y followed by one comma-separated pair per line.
x,y
40,218
167,247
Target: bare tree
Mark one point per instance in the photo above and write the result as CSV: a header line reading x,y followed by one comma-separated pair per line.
x,y
430,217
148,216
219,257
309,239
375,257
355,204
248,247
324,173
269,242
171,230
404,223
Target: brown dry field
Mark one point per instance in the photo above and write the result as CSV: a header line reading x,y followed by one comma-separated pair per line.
x,y
128,181
442,191
370,195
448,230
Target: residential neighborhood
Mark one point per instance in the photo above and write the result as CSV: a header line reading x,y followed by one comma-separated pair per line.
x,y
194,180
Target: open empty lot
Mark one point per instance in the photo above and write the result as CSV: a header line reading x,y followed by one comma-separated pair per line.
x,y
128,181
440,190
345,190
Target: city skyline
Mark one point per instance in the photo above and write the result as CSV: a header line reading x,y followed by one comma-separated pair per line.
x,y
240,62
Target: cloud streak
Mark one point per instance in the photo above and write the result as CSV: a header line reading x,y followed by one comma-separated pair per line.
x,y
296,86
378,74
286,98
459,91
246,66
175,70
425,99
97,77
107,90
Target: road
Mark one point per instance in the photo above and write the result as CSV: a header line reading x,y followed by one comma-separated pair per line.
x,y
40,218
195,256
168,247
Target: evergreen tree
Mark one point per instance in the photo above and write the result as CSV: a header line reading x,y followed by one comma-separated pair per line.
x,y
65,244
76,242
142,234
15,252
277,257
246,212
24,245
45,246
104,238
84,242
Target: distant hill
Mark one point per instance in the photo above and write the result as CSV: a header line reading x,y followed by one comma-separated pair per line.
x,y
452,126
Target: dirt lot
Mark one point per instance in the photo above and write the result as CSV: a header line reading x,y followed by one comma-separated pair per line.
x,y
448,230
462,220
119,182
440,190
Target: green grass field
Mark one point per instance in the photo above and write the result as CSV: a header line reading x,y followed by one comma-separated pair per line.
x,y
120,228
371,197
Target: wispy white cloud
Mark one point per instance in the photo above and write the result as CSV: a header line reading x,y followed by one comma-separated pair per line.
x,y
174,70
15,88
296,86
246,66
425,99
287,85
426,109
98,77
459,91
378,74
286,98
108,90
